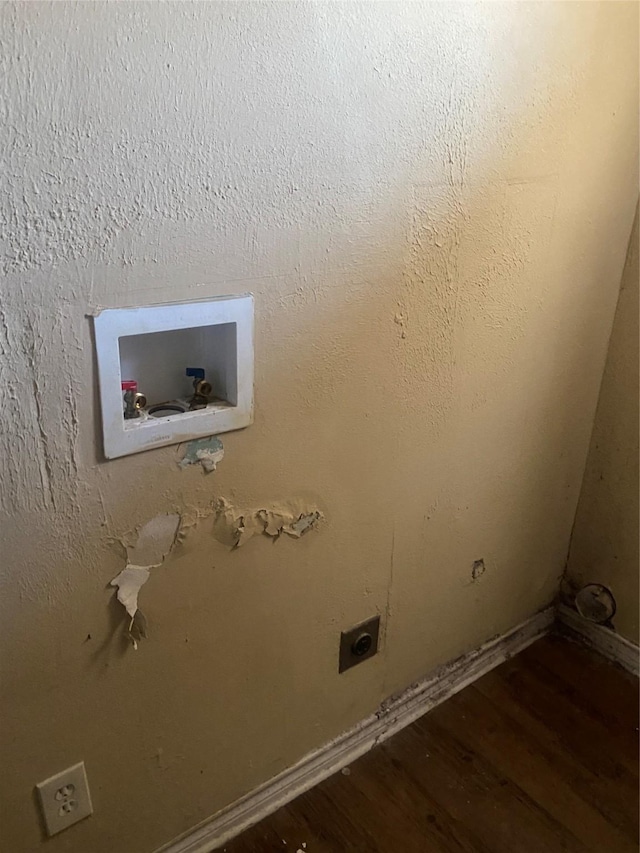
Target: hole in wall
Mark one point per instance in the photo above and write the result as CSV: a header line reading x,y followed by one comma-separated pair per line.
x,y
478,569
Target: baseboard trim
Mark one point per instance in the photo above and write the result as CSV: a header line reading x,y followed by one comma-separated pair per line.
x,y
393,715
603,640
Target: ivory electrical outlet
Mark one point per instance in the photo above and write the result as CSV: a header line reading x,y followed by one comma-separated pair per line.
x,y
65,798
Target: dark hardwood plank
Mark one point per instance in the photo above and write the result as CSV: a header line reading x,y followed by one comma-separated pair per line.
x,y
609,693
471,791
514,751
539,756
582,754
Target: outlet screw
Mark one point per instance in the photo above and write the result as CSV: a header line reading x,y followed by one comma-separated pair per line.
x,y
362,644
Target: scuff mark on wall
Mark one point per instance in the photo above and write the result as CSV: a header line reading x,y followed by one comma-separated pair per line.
x,y
152,545
234,527
207,452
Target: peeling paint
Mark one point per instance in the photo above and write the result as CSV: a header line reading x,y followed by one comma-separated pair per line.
x,y
234,527
207,452
129,582
154,541
148,547
303,524
152,545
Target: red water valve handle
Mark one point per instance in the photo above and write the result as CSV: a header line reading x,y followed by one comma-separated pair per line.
x,y
129,385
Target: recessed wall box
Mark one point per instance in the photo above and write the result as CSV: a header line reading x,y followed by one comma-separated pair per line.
x,y
154,347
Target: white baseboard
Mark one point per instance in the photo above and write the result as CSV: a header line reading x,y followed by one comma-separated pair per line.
x,y
393,715
600,639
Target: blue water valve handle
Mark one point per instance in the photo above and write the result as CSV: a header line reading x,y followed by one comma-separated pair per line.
x,y
196,372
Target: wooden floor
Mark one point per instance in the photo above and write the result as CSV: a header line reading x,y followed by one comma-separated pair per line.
x,y
538,756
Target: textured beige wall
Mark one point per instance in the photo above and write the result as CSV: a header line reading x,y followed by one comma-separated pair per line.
x,y
431,204
604,545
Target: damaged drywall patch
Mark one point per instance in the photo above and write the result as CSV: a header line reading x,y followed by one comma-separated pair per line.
x,y
478,569
234,527
207,452
150,547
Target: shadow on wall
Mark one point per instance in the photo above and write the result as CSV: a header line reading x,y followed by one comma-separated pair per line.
x,y
604,542
497,293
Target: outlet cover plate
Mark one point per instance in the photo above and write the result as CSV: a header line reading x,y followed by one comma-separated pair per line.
x,y
65,798
348,657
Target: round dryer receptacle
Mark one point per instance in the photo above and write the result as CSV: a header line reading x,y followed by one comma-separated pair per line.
x,y
595,602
